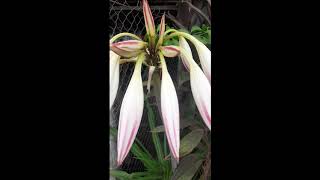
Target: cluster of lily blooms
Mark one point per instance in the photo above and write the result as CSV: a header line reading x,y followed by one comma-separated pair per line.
x,y
138,52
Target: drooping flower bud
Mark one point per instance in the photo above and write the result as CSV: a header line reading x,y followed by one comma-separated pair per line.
x,y
169,51
113,76
184,45
203,52
131,112
201,89
170,110
130,48
205,59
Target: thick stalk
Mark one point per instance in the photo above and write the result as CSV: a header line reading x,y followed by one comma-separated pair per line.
x,y
185,35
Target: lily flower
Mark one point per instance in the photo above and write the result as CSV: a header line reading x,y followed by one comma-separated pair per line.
x,y
201,89
170,110
130,48
203,52
148,53
130,112
113,76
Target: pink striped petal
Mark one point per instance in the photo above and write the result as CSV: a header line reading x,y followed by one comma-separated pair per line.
x,y
201,91
113,76
161,32
170,111
184,44
130,45
148,18
169,51
130,48
130,112
205,59
203,52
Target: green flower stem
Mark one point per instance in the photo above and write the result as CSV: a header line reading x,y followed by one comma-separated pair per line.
x,y
169,31
162,61
140,60
124,34
162,38
171,36
185,35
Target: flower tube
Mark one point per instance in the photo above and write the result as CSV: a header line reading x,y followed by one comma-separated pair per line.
x,y
130,112
201,89
184,44
170,110
113,76
203,52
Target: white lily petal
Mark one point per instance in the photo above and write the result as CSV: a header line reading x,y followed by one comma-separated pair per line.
x,y
130,112
170,110
203,52
148,18
201,91
184,44
205,59
113,76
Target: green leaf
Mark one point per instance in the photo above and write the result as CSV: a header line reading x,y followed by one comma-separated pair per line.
x,y
184,30
203,39
155,137
120,174
205,27
139,152
187,167
147,161
173,41
188,112
139,174
183,74
183,125
165,151
150,177
158,129
114,131
158,28
209,36
195,29
190,141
